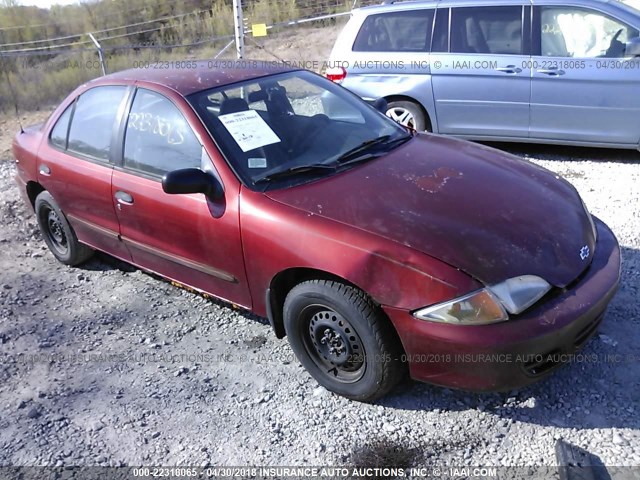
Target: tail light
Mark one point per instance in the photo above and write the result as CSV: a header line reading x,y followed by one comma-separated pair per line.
x,y
336,74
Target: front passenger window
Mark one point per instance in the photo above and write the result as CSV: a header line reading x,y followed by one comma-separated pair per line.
x,y
581,33
158,138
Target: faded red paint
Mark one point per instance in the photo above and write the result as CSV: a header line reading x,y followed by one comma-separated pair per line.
x,y
432,220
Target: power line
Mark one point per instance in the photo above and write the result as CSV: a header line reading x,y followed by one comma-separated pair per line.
x,y
46,49
98,32
68,22
11,54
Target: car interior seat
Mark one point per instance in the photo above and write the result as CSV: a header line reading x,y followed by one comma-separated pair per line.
x,y
552,40
233,105
476,43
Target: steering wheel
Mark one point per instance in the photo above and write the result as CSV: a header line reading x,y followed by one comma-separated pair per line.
x,y
615,47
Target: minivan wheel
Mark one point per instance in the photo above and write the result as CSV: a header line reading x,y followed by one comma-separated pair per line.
x,y
343,340
58,234
408,114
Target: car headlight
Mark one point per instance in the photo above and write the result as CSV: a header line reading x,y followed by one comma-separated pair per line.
x,y
519,293
490,304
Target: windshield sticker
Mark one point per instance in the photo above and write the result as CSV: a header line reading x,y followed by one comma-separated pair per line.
x,y
249,130
257,163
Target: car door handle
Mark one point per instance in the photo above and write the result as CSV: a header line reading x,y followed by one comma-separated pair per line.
x,y
44,170
552,72
124,198
509,69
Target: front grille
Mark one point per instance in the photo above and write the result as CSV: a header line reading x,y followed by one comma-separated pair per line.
x,y
541,364
584,334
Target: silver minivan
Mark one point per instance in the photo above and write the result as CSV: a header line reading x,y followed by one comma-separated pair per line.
x,y
543,71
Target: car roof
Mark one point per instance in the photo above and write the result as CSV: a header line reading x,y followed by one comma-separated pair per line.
x,y
412,4
190,76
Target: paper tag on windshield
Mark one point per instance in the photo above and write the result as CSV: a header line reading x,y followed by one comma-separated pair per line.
x,y
257,163
249,130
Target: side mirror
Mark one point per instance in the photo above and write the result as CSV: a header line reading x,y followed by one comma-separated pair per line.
x,y
192,180
633,48
380,104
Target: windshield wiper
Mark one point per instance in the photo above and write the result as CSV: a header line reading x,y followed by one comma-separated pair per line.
x,y
363,151
294,171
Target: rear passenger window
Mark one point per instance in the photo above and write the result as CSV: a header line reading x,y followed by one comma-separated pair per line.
x,y
405,31
492,30
59,133
93,121
158,138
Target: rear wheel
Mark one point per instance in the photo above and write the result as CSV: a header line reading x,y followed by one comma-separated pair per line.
x,y
58,233
408,114
343,340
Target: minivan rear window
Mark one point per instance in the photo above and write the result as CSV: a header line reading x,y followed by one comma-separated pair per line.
x,y
404,31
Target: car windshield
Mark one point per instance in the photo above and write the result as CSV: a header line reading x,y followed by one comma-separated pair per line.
x,y
290,128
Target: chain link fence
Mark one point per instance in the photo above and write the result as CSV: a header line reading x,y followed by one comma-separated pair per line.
x,y
36,74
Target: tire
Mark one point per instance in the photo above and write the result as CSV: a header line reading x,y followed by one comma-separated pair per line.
x,y
58,234
408,114
343,340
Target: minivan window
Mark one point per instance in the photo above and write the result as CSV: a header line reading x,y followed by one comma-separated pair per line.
x,y
440,42
404,31
582,33
93,121
492,30
158,138
59,133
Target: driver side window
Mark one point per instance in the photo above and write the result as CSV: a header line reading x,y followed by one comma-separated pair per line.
x,y
158,138
582,33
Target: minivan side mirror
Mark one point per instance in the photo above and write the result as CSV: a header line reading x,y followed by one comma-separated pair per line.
x,y
380,104
633,48
192,180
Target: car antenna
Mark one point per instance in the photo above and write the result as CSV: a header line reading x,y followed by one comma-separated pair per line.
x,y
13,96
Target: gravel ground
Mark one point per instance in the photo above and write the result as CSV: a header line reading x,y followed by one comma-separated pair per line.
x,y
105,364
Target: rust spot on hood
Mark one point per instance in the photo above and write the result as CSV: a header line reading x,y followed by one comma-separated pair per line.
x,y
434,183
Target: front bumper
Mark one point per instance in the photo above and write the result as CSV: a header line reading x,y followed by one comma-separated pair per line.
x,y
520,351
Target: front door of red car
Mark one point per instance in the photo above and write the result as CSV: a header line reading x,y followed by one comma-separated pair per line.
x,y
75,166
182,237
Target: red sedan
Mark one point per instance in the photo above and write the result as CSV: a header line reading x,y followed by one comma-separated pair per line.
x,y
372,248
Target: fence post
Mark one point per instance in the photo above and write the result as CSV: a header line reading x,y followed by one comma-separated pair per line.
x,y
238,24
100,54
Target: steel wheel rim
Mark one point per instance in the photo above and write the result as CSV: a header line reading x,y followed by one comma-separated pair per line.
x,y
402,116
333,344
55,231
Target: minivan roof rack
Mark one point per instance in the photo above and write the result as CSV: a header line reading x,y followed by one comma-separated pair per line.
x,y
391,2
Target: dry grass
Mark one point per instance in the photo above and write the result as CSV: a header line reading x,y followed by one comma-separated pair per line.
x,y
36,83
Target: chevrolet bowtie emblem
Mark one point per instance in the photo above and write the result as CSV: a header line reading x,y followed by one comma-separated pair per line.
x,y
584,252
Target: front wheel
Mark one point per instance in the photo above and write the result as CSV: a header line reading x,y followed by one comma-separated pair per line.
x,y
343,340
409,115
58,233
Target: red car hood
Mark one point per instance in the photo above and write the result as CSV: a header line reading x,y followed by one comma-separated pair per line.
x,y
490,214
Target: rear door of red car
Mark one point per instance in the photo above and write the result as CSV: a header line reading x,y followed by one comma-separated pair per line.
x,y
75,164
187,238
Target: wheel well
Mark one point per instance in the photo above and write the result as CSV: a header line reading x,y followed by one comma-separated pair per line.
x,y
403,98
282,284
33,190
